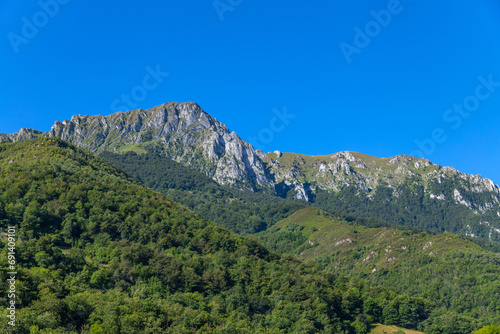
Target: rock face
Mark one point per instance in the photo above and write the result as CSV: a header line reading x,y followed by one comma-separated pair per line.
x,y
337,171
23,134
182,131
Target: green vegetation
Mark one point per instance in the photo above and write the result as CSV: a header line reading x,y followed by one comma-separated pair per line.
x,y
462,279
301,234
99,253
241,211
132,148
412,208
488,330
395,191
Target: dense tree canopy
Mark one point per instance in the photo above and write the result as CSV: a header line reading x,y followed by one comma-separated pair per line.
x,y
99,253
241,211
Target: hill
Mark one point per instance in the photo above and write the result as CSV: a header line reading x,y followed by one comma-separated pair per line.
x,y
96,252
401,190
460,277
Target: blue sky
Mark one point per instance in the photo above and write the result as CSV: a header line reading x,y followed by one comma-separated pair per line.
x,y
378,77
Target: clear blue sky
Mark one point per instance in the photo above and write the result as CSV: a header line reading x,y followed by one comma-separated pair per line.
x,y
247,58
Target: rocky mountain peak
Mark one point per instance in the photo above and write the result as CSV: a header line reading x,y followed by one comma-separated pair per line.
x,y
344,155
135,126
409,161
182,131
23,134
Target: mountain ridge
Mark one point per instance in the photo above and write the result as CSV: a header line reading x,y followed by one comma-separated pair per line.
x,y
66,129
185,132
417,190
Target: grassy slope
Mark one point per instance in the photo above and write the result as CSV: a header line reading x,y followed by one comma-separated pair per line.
x,y
330,236
383,329
458,275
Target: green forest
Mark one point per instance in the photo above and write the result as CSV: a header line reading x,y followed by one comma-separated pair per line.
x,y
98,252
240,211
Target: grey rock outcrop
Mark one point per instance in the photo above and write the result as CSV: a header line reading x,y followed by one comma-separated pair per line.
x,y
23,134
181,131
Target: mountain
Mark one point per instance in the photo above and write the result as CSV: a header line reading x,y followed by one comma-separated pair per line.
x,y
23,134
401,190
460,277
97,252
182,131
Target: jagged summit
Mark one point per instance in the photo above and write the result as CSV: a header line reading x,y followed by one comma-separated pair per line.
x,y
182,131
98,133
23,134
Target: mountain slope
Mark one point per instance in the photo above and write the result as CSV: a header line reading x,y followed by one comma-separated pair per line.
x,y
460,277
96,252
401,190
241,211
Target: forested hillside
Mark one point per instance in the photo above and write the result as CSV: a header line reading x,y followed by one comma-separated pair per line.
x,y
241,211
98,253
461,278
173,179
